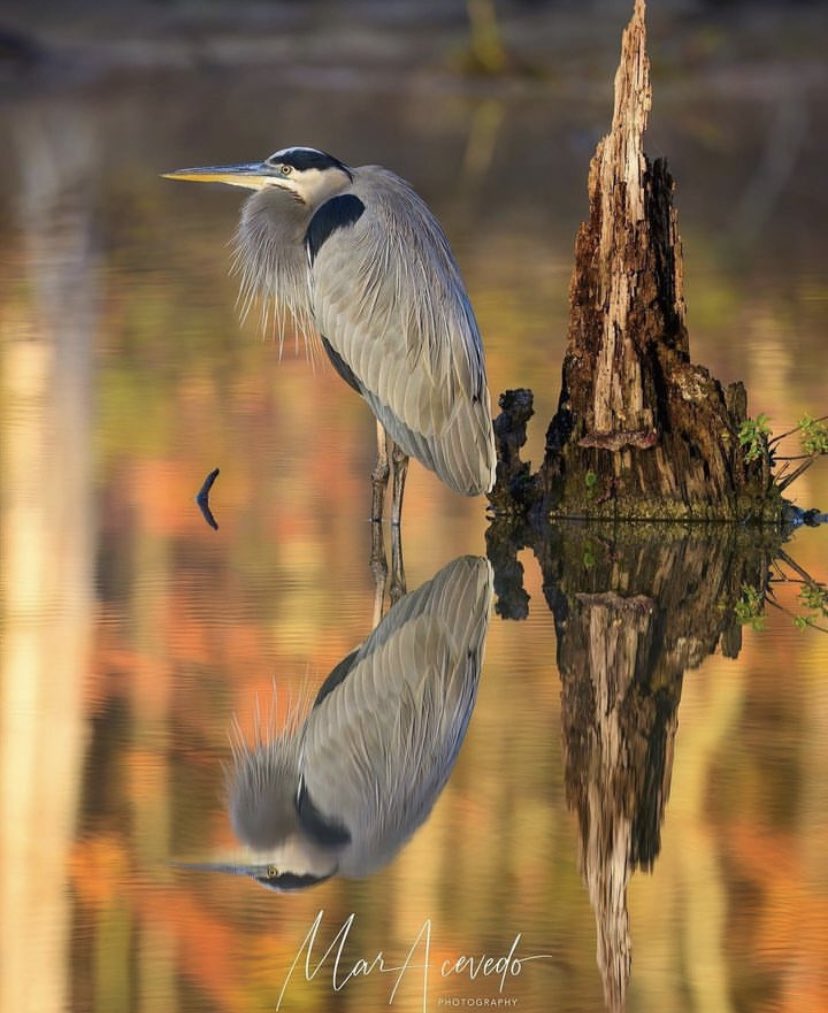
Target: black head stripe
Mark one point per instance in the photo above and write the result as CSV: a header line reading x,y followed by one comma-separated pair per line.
x,y
308,158
287,882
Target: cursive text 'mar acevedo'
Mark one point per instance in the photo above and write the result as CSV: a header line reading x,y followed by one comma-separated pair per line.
x,y
416,962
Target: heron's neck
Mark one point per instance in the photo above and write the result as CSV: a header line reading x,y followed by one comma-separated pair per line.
x,y
271,258
262,795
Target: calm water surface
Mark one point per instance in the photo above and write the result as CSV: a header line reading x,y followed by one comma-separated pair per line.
x,y
638,801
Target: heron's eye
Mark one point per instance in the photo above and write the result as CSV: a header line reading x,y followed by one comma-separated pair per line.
x,y
285,170
272,872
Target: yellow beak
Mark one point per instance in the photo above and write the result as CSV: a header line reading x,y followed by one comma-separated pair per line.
x,y
251,175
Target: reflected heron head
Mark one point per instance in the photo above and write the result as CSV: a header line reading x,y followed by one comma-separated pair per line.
x,y
263,801
265,873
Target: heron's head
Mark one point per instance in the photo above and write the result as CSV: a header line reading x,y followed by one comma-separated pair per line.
x,y
308,175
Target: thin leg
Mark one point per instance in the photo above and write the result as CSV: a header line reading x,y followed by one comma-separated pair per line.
x,y
400,461
379,476
379,568
398,588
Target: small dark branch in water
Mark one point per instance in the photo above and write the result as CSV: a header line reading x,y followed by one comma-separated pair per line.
x,y
203,499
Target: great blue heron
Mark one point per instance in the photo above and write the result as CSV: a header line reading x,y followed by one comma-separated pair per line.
x,y
357,256
341,792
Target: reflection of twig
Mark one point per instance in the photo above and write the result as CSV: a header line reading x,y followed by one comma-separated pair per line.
x,y
813,595
799,620
792,563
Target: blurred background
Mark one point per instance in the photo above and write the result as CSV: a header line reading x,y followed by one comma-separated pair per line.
x,y
132,634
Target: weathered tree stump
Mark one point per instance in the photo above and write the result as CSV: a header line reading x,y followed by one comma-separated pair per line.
x,y
640,431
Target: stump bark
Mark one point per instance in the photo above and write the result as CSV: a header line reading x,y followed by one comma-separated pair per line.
x,y
640,431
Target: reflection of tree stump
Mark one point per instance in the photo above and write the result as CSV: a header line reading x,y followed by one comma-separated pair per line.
x,y
632,617
635,606
640,431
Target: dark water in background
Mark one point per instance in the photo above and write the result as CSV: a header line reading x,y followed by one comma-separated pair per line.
x,y
133,635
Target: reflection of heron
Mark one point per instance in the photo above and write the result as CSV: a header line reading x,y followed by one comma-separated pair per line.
x,y
344,791
355,254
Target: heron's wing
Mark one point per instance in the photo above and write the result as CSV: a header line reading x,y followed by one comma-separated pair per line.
x,y
397,322
379,747
336,676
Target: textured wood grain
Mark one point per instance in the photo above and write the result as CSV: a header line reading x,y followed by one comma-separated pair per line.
x,y
640,431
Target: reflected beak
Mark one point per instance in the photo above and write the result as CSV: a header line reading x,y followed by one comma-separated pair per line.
x,y
267,875
234,870
251,175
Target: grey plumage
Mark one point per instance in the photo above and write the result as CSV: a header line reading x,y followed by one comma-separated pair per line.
x,y
377,751
404,324
341,792
382,287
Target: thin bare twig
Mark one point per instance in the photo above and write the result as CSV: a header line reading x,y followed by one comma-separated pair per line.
x,y
794,475
792,563
795,429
